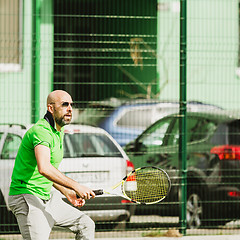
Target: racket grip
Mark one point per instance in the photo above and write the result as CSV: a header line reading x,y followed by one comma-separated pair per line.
x,y
98,192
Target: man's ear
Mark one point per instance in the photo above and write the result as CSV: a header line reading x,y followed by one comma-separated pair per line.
x,y
50,108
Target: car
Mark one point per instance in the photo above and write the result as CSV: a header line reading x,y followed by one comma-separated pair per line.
x,y
125,119
213,165
91,157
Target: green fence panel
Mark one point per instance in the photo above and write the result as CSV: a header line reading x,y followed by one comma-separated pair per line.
x,y
123,64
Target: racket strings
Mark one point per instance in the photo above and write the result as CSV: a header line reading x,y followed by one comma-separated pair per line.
x,y
150,185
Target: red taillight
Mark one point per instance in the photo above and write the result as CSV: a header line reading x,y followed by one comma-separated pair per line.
x,y
130,166
234,194
227,152
124,201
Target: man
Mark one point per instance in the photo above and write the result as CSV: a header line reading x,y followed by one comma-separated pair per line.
x,y
35,172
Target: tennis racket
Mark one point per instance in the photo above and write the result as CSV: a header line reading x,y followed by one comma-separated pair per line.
x,y
145,185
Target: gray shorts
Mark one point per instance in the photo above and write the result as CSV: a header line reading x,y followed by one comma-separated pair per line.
x,y
37,217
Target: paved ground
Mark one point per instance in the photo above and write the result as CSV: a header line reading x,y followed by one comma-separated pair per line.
x,y
203,237
123,236
127,236
217,237
230,231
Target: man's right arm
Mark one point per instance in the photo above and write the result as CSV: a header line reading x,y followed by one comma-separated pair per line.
x,y
46,169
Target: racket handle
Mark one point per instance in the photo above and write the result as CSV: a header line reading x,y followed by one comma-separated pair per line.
x,y
98,192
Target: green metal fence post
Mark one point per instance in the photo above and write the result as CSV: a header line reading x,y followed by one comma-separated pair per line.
x,y
36,60
183,113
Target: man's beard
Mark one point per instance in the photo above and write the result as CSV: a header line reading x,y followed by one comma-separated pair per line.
x,y
61,121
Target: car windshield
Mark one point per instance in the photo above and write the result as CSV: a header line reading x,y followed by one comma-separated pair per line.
x,y
89,145
94,114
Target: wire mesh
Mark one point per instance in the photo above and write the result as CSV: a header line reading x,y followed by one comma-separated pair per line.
x,y
120,62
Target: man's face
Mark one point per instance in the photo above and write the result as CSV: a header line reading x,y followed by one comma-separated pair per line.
x,y
61,109
62,113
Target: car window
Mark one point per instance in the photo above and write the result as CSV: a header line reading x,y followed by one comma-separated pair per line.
x,y
154,136
10,147
89,145
197,129
220,135
140,118
206,129
227,133
234,133
200,129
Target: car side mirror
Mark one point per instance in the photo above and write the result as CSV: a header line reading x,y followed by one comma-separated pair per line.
x,y
135,148
140,148
130,147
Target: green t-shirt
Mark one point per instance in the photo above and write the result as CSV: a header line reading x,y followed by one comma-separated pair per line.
x,y
25,176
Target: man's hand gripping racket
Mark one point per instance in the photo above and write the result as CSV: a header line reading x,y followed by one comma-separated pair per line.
x,y
145,185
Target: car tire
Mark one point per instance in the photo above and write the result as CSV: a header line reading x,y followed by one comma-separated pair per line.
x,y
195,208
200,210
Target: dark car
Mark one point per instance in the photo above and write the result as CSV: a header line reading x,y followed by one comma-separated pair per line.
x,y
125,119
213,165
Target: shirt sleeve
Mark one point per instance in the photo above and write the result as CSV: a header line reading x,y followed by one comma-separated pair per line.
x,y
42,136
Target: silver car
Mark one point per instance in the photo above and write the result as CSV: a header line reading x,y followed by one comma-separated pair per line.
x,y
91,157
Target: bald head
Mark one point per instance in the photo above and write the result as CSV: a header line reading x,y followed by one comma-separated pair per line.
x,y
59,104
57,96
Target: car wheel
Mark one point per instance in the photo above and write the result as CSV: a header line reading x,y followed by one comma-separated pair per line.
x,y
194,209
200,211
